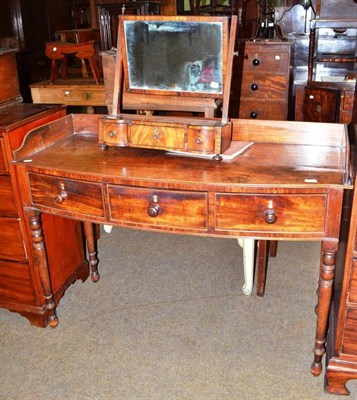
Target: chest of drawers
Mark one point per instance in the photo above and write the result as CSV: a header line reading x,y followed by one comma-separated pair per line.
x,y
20,288
264,81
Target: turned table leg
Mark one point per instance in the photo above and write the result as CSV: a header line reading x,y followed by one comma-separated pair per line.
x,y
327,272
91,245
40,260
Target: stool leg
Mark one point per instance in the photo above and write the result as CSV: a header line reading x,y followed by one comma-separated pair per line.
x,y
64,68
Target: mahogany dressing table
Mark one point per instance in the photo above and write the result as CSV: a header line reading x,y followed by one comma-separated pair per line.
x,y
288,185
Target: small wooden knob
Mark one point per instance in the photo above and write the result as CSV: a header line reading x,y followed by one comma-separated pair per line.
x,y
270,217
253,114
154,210
254,87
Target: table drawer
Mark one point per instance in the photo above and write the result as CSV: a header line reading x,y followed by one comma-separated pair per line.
x,y
186,210
74,97
7,203
271,213
255,109
266,86
156,136
67,195
265,62
11,239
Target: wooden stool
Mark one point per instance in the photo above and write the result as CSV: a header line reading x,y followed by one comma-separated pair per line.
x,y
58,51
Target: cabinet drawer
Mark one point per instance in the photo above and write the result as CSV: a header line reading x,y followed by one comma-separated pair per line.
x,y
349,345
353,283
11,240
166,208
16,283
3,167
67,195
7,203
156,136
266,86
271,213
201,139
254,109
258,62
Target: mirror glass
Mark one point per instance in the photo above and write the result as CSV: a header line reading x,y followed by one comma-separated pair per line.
x,y
177,56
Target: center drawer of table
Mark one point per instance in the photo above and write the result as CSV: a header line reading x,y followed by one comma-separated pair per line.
x,y
166,208
293,213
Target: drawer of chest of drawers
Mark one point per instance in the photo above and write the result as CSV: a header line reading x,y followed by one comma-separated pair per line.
x,y
16,283
11,240
255,86
353,283
67,195
3,167
349,345
254,109
159,208
7,203
263,62
271,213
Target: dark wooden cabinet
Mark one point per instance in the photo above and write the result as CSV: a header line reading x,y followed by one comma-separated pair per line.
x,y
262,80
20,288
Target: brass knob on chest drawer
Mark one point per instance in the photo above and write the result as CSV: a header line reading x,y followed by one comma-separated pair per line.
x,y
255,62
112,133
270,216
253,114
254,87
198,140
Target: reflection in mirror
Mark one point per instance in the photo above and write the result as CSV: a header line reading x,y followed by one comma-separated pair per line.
x,y
177,56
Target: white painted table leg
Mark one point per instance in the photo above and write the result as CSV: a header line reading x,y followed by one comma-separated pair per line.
x,y
107,228
248,264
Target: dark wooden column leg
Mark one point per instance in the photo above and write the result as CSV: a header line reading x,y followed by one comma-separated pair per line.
x,y
273,248
327,272
40,260
91,245
262,265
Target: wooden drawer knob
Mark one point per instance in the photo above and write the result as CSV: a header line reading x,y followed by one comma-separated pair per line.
x,y
154,210
270,216
253,114
62,195
254,87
